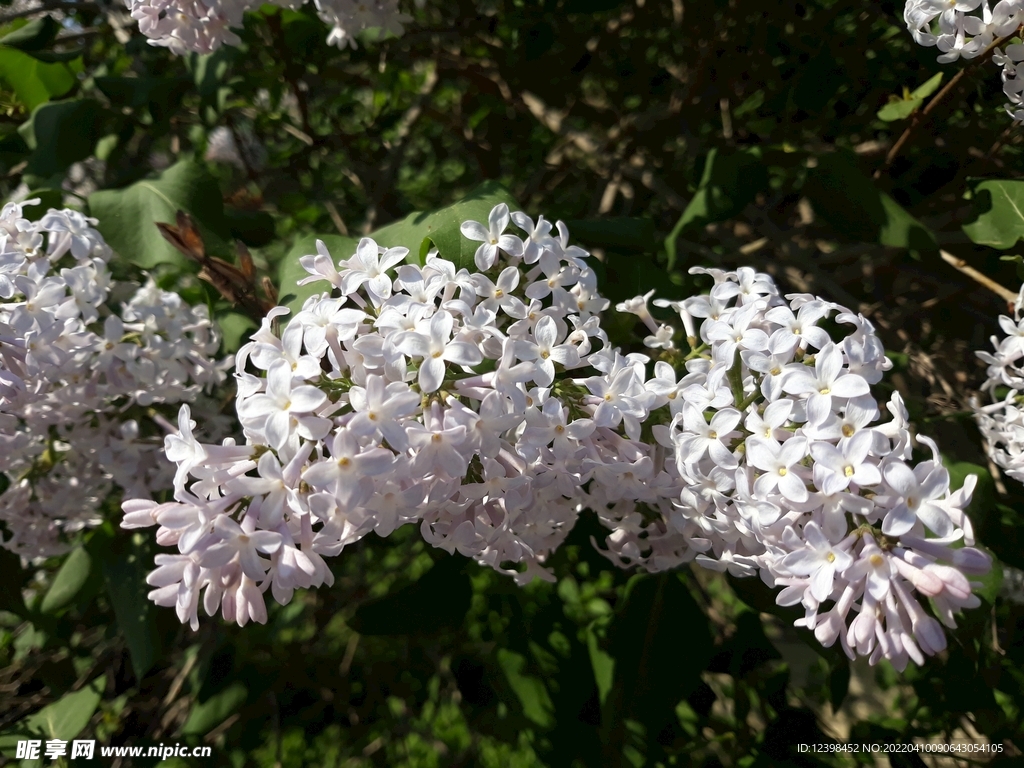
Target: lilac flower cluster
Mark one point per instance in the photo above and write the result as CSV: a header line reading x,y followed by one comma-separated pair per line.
x,y
191,26
75,377
1001,422
967,29
489,408
789,474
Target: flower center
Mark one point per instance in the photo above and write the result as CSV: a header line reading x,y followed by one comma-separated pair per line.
x,y
436,437
437,354
831,557
848,430
783,471
344,461
824,391
848,471
876,560
559,429
712,435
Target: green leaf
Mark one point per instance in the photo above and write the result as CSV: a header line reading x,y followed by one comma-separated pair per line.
x,y
651,675
68,716
441,228
61,133
998,212
128,216
68,582
899,109
529,689
289,272
730,181
33,36
34,82
928,87
602,663
849,200
902,108
207,715
125,569
234,327
438,599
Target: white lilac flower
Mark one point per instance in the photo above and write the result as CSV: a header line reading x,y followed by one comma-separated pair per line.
x,y
76,369
189,27
968,29
454,404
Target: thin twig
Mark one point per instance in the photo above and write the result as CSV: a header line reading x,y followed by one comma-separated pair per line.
x,y
959,264
920,116
339,222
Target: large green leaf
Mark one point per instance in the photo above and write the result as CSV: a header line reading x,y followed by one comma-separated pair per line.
x,y
34,82
33,36
125,566
441,228
529,689
850,202
207,715
61,133
68,582
289,272
68,716
128,216
658,619
998,212
730,181
438,599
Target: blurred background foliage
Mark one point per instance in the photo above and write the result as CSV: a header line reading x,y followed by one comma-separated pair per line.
x,y
667,134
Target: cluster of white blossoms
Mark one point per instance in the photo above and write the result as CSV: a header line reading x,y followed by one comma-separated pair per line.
x,y
194,26
488,407
967,29
75,377
1001,422
789,474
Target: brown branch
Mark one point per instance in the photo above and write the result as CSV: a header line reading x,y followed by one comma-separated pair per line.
x,y
959,264
921,116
